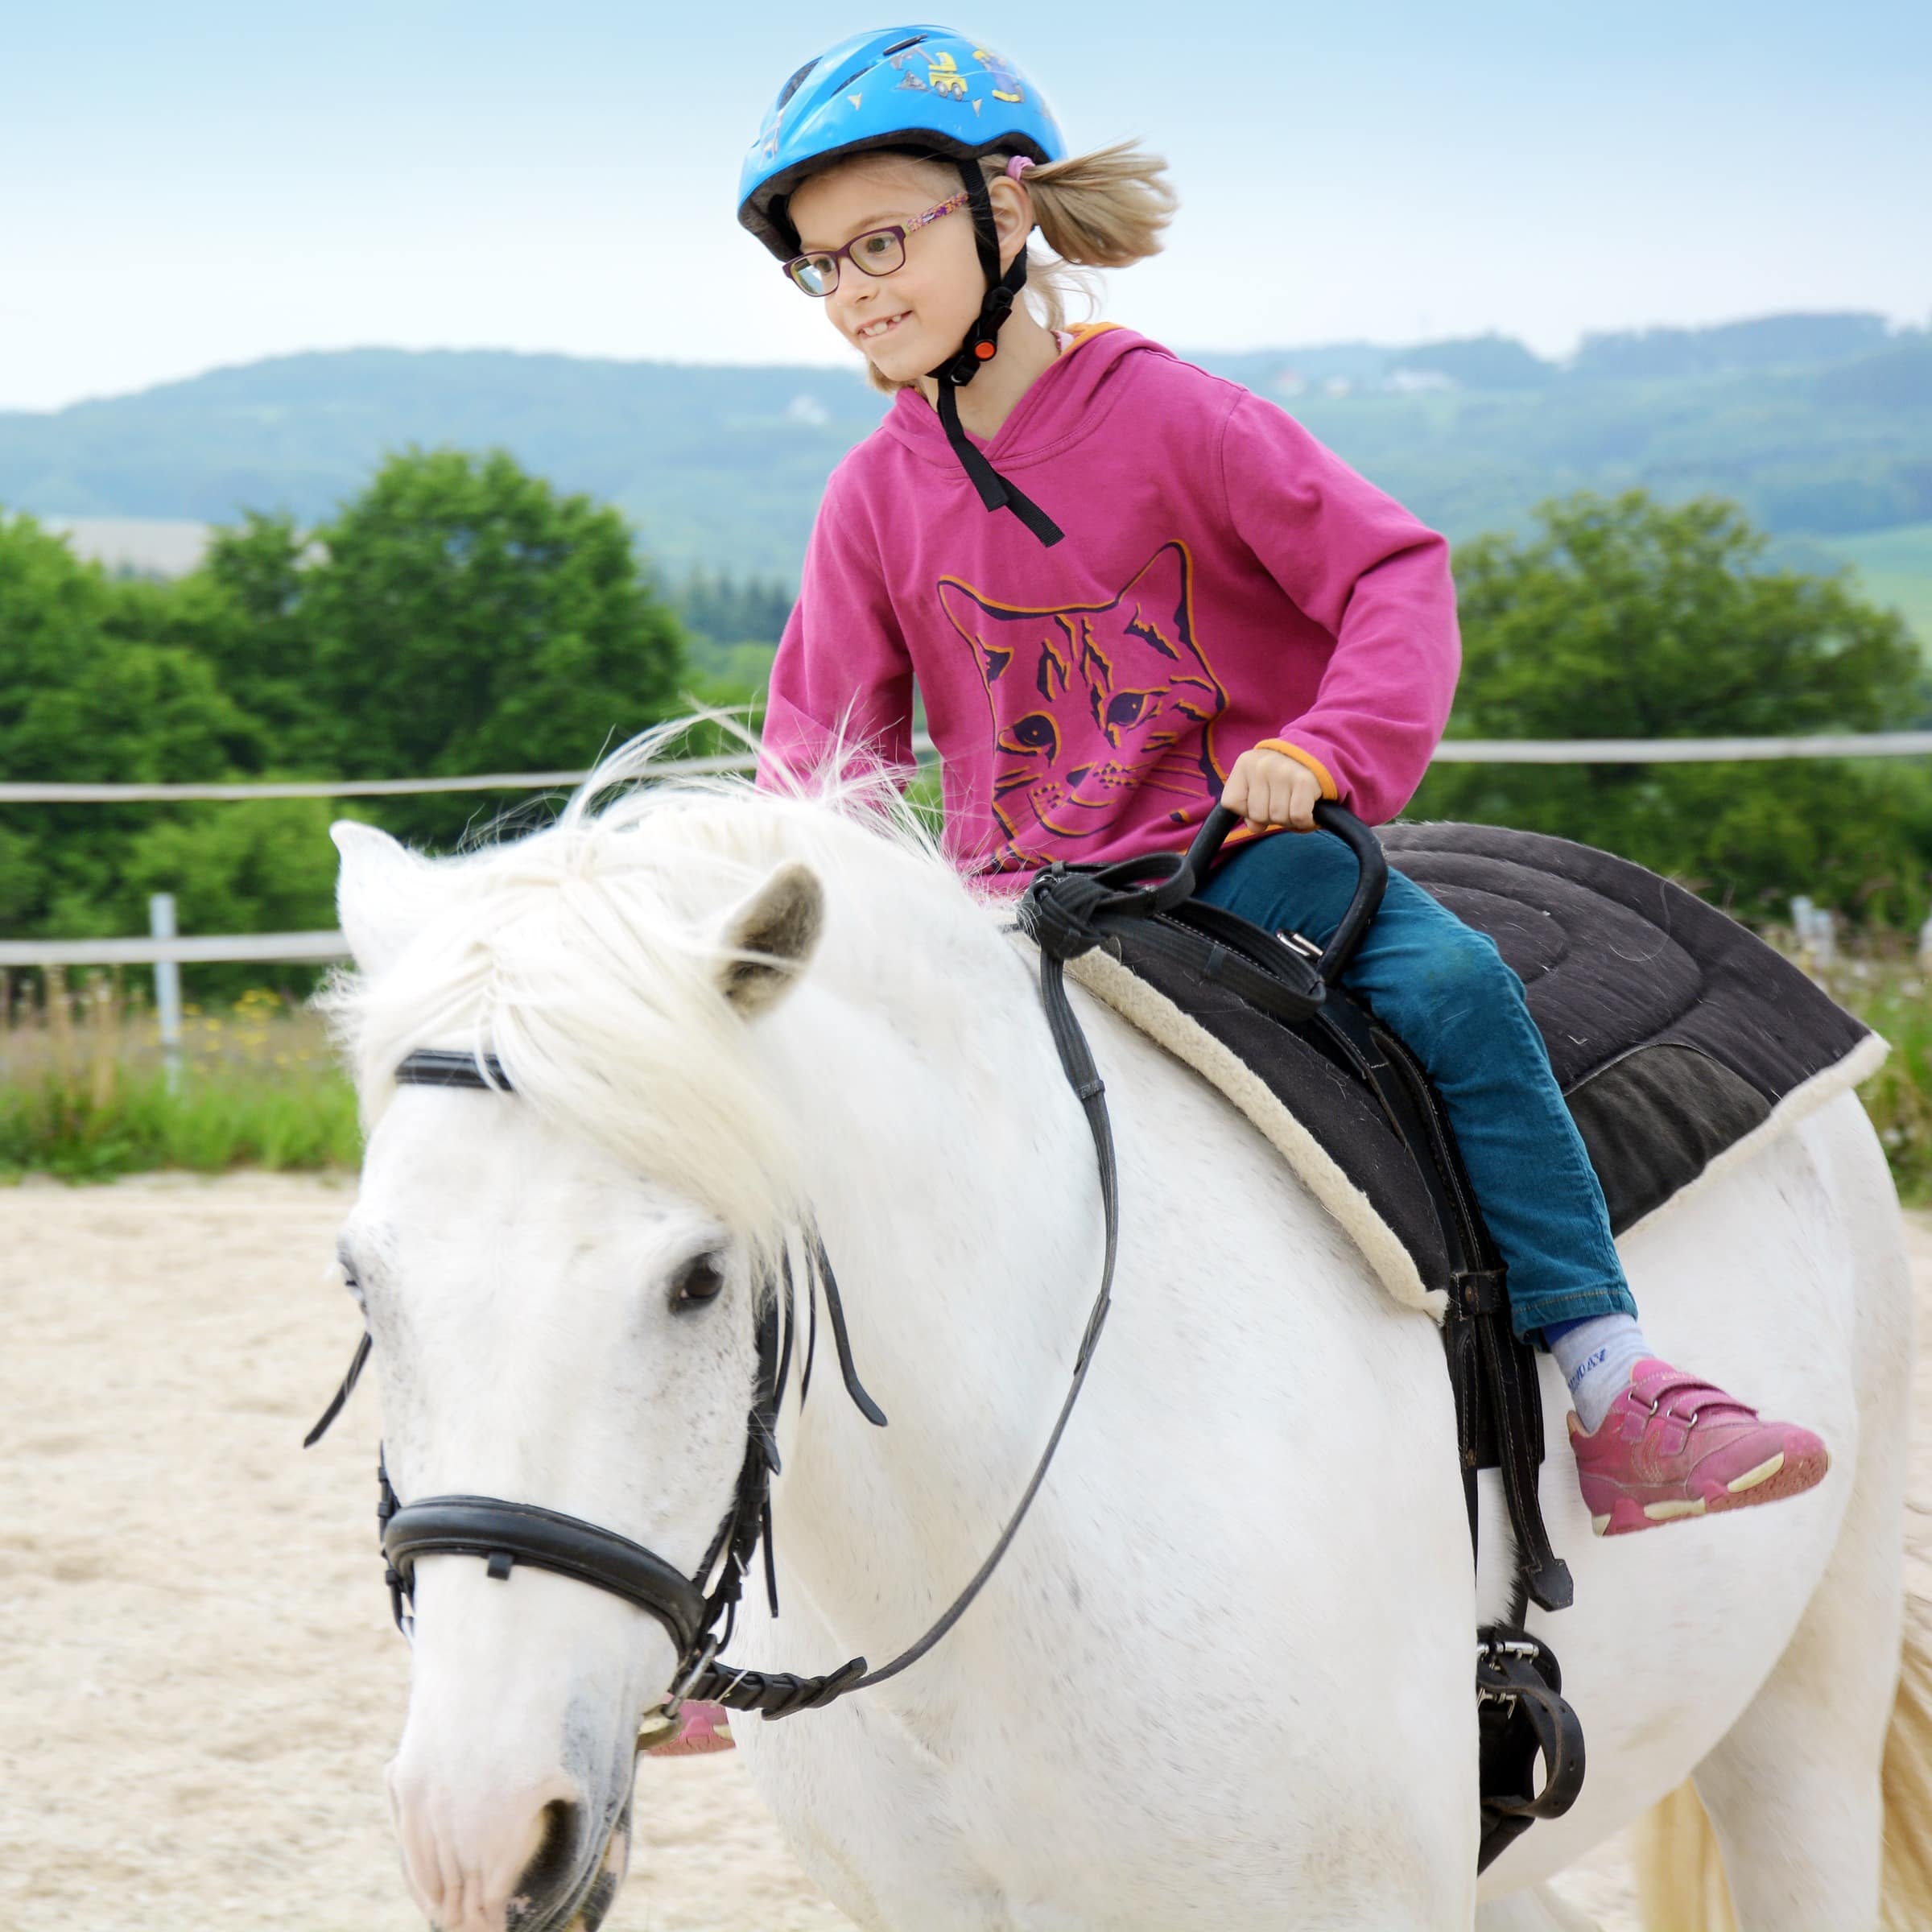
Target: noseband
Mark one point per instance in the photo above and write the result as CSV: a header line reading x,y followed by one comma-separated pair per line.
x,y
505,1533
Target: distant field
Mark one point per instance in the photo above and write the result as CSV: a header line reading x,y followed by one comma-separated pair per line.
x,y
155,546
1895,567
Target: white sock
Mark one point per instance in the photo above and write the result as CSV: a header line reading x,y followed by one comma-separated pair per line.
x,y
1598,1357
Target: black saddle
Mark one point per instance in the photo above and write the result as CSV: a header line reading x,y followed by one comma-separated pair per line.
x,y
1673,1031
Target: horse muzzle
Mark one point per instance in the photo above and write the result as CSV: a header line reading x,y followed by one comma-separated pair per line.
x,y
540,1860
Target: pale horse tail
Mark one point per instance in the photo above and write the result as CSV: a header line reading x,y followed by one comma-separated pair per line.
x,y
1680,1877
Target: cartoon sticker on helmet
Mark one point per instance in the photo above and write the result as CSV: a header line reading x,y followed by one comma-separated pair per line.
x,y
946,78
908,80
1006,85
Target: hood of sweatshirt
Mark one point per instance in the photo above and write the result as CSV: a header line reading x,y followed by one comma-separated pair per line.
x,y
1067,401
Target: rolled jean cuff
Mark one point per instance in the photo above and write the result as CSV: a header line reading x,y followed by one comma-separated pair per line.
x,y
1530,1314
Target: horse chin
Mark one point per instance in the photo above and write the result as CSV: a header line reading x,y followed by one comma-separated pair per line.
x,y
589,1903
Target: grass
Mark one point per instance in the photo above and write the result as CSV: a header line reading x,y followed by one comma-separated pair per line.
x,y
1894,998
85,1093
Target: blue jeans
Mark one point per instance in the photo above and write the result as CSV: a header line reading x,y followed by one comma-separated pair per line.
x,y
1444,990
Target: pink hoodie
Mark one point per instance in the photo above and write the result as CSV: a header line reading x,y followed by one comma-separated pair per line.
x,y
1226,581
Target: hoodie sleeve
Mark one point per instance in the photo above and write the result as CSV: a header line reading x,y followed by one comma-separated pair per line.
x,y
1370,574
841,683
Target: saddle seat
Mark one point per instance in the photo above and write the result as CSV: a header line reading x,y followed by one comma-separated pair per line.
x,y
1682,1042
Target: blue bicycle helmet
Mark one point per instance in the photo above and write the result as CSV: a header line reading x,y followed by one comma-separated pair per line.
x,y
930,90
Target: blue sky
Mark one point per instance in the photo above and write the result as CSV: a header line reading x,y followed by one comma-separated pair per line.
x,y
199,183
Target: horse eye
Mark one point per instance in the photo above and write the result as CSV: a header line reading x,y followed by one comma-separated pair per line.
x,y
698,1280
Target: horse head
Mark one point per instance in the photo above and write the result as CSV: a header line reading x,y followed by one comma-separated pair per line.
x,y
561,1287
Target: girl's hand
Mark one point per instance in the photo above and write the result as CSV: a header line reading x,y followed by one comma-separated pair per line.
x,y
1267,789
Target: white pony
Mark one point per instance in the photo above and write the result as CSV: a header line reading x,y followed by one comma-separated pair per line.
x,y
1223,1677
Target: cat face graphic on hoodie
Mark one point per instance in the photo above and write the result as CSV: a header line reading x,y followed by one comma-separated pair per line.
x,y
1090,703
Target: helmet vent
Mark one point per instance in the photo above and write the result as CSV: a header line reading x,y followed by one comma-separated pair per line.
x,y
899,47
792,86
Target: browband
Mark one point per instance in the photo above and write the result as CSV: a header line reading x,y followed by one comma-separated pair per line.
x,y
450,1067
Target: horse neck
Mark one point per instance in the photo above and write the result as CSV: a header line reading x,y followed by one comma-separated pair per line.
x,y
952,1176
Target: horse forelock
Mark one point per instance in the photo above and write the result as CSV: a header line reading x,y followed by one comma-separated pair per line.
x,y
586,956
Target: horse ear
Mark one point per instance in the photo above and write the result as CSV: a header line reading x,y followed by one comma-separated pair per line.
x,y
769,936
381,894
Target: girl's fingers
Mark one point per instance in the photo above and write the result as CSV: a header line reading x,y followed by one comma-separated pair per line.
x,y
1263,802
1307,791
1270,790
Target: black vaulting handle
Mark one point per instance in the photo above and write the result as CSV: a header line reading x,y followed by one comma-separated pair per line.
x,y
1353,833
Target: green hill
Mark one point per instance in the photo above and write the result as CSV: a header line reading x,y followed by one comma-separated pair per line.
x,y
1821,425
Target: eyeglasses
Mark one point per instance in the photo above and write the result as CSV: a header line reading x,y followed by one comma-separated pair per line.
x,y
876,252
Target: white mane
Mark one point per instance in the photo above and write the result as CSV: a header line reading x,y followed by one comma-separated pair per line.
x,y
586,957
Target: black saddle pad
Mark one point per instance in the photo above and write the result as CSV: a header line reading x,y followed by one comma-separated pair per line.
x,y
1674,1031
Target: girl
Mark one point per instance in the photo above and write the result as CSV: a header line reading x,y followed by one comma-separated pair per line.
x,y
1107,571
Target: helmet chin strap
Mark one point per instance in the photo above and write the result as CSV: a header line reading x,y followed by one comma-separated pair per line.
x,y
981,346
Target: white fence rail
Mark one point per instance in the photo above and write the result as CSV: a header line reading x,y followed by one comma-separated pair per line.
x,y
162,949
1451,751
300,948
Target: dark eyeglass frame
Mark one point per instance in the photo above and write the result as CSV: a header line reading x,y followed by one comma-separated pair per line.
x,y
795,268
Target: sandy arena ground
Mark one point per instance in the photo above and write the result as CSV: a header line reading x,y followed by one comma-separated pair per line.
x,y
199,1682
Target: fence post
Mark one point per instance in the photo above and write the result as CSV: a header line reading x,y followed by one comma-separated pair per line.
x,y
167,987
1816,932
59,1020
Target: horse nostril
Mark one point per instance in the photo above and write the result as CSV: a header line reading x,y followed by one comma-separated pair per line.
x,y
552,1866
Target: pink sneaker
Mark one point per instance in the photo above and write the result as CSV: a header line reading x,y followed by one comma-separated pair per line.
x,y
699,1728
1673,1446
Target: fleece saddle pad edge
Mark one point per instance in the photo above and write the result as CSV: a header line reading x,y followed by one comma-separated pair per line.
x,y
1152,1012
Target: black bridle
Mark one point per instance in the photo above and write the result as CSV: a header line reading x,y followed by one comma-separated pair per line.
x,y
1068,910
506,1533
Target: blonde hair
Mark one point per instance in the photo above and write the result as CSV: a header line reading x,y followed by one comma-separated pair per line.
x,y
1102,210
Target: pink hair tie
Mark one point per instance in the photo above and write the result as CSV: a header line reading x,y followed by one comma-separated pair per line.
x,y
1016,167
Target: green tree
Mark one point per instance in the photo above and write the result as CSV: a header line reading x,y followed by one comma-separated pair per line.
x,y
265,866
458,616
1626,618
469,618
81,698
244,610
